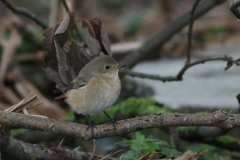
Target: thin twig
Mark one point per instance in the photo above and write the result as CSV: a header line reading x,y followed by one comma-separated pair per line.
x,y
94,148
190,31
179,76
148,76
25,12
65,5
61,142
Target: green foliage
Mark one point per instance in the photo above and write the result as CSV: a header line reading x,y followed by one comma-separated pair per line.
x,y
16,132
141,146
214,32
226,139
212,152
186,130
131,106
68,117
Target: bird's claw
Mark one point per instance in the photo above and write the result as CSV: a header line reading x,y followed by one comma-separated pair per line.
x,y
113,123
91,126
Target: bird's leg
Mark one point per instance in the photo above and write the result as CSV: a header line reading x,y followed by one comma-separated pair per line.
x,y
89,124
112,121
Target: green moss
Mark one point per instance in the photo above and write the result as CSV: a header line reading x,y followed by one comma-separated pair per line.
x,y
18,131
226,139
186,130
68,117
214,32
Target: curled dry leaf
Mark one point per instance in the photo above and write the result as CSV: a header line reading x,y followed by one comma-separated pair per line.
x,y
63,66
64,57
95,28
62,33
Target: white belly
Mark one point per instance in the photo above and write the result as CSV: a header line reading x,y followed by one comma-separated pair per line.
x,y
93,100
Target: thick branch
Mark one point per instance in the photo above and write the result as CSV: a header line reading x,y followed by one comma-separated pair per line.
x,y
233,6
219,118
190,31
16,149
178,77
167,32
25,12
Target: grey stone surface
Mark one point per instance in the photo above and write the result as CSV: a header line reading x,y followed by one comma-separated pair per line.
x,y
204,85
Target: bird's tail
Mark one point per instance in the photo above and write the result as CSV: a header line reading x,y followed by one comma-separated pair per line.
x,y
61,96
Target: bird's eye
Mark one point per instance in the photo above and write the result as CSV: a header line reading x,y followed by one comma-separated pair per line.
x,y
106,67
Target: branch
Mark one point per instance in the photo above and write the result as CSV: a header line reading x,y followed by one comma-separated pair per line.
x,y
179,76
16,149
25,12
167,32
218,118
65,5
233,7
190,31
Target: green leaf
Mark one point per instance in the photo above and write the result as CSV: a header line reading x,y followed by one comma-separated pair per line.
x,y
170,152
127,143
139,137
130,155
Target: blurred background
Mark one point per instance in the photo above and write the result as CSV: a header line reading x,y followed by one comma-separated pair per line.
x,y
129,24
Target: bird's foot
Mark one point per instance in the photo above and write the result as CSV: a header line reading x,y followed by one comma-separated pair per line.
x,y
91,126
113,123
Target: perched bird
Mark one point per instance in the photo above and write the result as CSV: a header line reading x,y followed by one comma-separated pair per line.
x,y
95,89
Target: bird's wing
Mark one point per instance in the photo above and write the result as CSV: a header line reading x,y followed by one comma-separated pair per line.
x,y
79,83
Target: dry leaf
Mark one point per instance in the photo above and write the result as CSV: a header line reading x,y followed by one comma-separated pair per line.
x,y
62,33
64,57
63,65
89,38
189,155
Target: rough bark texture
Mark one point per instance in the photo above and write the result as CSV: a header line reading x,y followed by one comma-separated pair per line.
x,y
218,118
19,150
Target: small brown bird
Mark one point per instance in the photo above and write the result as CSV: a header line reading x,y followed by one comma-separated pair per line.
x,y
95,89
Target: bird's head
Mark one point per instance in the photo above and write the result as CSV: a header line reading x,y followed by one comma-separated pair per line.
x,y
104,65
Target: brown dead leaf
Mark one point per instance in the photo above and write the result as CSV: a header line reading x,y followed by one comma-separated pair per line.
x,y
62,33
89,37
189,155
63,65
64,57
147,156
95,29
49,56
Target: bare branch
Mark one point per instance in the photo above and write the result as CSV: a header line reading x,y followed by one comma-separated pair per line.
x,y
233,7
16,149
179,76
65,5
218,118
167,32
25,12
148,76
190,31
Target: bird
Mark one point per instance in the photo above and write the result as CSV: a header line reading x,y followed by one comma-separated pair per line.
x,y
95,89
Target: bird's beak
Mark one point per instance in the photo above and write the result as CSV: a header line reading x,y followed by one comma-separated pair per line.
x,y
120,66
